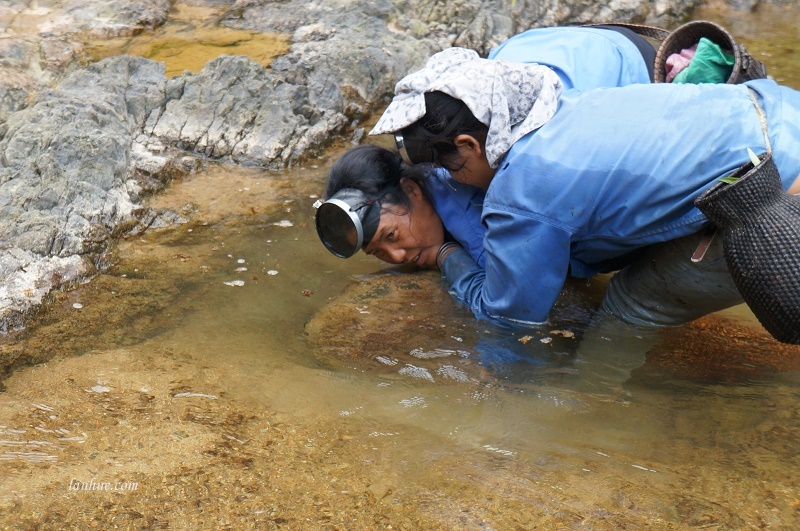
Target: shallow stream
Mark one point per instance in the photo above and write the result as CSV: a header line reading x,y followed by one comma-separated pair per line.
x,y
241,377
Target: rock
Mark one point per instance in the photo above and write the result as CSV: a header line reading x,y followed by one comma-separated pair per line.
x,y
28,278
39,46
720,349
65,171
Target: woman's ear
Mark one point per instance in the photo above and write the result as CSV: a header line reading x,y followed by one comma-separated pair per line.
x,y
410,187
468,145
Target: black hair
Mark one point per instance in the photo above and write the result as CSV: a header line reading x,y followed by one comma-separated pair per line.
x,y
445,118
376,171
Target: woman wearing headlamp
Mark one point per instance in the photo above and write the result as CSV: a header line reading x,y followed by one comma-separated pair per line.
x,y
379,204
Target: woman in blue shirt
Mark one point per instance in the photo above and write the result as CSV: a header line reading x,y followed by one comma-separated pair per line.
x,y
583,58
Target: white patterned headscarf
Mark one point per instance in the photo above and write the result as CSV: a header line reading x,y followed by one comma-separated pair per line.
x,y
511,99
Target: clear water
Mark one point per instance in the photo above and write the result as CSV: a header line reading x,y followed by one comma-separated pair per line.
x,y
356,393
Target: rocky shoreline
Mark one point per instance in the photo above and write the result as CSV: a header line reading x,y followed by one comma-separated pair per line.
x,y
82,144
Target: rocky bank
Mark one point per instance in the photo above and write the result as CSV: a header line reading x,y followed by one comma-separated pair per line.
x,y
82,143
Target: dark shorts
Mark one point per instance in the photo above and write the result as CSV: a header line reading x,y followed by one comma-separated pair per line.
x,y
663,287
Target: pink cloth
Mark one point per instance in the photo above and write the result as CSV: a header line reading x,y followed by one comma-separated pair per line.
x,y
678,61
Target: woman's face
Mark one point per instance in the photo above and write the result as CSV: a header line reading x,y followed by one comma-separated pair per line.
x,y
408,236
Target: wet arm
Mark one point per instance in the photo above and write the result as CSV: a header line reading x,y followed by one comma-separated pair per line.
x,y
526,266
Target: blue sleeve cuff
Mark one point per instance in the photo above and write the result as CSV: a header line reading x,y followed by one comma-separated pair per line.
x,y
457,265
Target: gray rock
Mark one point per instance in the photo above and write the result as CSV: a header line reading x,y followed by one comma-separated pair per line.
x,y
28,278
41,44
65,170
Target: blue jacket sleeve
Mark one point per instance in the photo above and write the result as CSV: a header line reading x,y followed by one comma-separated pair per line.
x,y
527,262
459,206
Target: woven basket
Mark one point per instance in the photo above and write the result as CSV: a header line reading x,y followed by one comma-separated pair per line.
x,y
745,67
760,227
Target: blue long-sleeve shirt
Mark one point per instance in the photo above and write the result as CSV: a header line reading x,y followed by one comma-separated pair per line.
x,y
583,58
613,171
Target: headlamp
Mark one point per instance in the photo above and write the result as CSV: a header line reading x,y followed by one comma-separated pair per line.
x,y
412,152
347,221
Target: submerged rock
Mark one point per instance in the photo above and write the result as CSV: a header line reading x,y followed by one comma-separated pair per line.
x,y
405,327
719,349
408,327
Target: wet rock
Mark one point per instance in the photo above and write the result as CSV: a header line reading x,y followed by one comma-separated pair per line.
x,y
124,308
247,465
27,279
387,317
405,327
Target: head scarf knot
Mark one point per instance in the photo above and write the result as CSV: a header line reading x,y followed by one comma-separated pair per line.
x,y
511,99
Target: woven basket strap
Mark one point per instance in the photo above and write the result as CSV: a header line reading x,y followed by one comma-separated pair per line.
x,y
763,120
643,30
